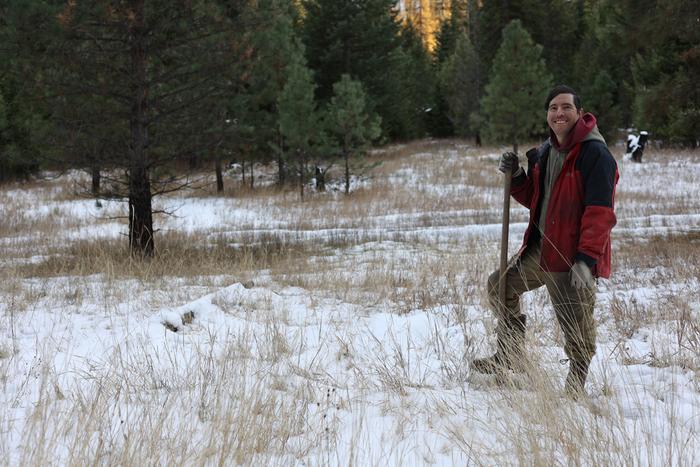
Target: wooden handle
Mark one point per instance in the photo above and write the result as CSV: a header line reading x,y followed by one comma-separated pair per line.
x,y
504,238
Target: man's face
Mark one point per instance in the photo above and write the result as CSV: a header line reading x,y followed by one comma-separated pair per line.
x,y
562,115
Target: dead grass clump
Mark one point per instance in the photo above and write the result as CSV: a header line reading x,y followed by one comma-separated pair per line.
x,y
15,222
409,148
263,189
629,314
673,251
178,254
688,336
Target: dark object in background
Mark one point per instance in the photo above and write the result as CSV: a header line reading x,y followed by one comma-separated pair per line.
x,y
635,145
320,179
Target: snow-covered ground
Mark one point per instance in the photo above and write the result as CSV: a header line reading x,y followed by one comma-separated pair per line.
x,y
349,342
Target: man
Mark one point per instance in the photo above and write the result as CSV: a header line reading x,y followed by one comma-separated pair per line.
x,y
569,188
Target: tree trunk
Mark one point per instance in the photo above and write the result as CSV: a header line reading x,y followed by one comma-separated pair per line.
x,y
252,175
243,172
281,179
219,176
301,177
346,155
193,161
95,172
281,173
140,211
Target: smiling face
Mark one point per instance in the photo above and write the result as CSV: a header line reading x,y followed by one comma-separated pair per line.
x,y
562,115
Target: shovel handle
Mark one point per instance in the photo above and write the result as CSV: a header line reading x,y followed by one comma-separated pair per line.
x,y
504,238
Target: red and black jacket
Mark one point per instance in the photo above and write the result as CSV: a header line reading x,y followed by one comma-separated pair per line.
x,y
580,213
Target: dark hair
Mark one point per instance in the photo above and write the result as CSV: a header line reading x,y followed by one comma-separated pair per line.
x,y
562,89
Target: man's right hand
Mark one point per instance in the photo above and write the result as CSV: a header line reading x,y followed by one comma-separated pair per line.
x,y
508,163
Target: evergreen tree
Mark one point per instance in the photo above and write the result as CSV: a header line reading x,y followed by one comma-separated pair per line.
x,y
638,55
19,154
6,149
599,99
473,28
148,77
555,24
602,65
449,32
459,84
82,140
361,39
493,17
517,88
665,71
441,120
231,130
417,82
299,119
24,36
445,40
276,48
350,123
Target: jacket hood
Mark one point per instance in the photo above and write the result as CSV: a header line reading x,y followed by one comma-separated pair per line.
x,y
594,135
583,127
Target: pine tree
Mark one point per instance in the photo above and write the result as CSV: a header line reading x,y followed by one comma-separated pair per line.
x,y
599,99
439,122
276,48
350,123
24,35
517,88
601,68
463,25
19,155
299,118
492,18
359,38
559,46
150,77
230,133
638,56
450,29
6,149
459,83
552,23
417,85
665,71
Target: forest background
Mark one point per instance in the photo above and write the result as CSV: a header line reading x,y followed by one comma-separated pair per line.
x,y
143,92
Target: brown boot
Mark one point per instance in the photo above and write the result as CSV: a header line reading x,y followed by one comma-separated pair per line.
x,y
576,379
510,352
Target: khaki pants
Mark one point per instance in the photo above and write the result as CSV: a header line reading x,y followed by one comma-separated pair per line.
x,y
573,308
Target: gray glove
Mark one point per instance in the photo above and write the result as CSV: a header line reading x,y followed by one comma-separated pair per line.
x,y
581,276
508,162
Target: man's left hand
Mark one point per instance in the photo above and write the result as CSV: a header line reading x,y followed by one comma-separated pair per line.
x,y
581,276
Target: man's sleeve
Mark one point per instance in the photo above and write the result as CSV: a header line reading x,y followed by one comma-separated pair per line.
x,y
599,173
522,186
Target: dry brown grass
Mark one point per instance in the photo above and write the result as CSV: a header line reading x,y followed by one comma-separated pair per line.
x,y
228,420
674,252
179,255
